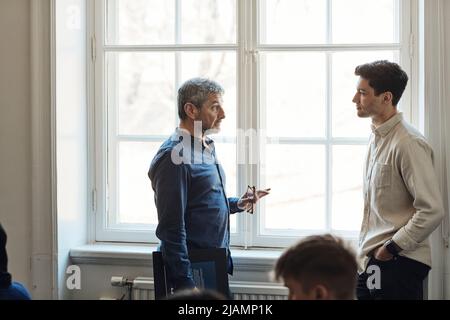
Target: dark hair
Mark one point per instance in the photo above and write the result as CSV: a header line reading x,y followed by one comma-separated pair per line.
x,y
320,259
196,91
198,294
3,254
384,76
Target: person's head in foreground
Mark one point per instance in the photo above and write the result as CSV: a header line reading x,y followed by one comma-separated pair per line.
x,y
320,267
9,289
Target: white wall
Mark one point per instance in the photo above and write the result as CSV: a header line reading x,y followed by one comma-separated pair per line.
x,y
447,99
96,279
25,168
437,120
15,135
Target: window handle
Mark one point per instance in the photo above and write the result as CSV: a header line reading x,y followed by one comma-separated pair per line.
x,y
254,54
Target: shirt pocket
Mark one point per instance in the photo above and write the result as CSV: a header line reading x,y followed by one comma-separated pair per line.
x,y
382,175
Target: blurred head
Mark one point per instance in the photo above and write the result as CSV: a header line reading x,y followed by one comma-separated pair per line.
x,y
319,267
200,99
3,255
380,87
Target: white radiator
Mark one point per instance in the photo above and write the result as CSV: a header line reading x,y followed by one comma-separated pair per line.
x,y
245,290
142,289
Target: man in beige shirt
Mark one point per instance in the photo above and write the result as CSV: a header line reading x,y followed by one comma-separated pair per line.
x,y
402,201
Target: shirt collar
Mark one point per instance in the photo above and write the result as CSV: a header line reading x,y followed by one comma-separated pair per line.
x,y
179,132
386,127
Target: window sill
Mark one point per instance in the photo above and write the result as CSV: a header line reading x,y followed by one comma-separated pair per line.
x,y
141,255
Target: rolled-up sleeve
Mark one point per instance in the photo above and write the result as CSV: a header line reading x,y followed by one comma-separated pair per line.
x,y
417,170
171,183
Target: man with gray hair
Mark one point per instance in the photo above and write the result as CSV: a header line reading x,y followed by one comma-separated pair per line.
x,y
189,184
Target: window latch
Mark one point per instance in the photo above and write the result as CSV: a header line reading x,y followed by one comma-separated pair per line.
x,y
93,49
254,55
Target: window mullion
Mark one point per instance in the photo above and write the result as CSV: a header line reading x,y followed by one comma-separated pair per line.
x,y
244,112
178,22
177,56
407,55
329,122
255,117
329,144
329,22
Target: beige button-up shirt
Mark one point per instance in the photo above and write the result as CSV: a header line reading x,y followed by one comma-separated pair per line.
x,y
402,199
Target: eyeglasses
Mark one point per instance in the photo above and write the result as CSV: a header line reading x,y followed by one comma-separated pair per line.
x,y
252,191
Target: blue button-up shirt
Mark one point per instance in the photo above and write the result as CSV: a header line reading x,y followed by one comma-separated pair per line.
x,y
193,209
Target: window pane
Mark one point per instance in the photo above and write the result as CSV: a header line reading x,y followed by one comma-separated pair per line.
x,y
220,67
136,203
140,22
296,174
293,21
226,153
208,21
348,204
345,120
141,92
365,21
293,94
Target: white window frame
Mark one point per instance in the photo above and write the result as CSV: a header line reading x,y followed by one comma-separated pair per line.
x,y
408,60
247,49
100,160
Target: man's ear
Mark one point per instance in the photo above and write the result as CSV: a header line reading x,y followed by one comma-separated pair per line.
x,y
387,97
191,110
321,292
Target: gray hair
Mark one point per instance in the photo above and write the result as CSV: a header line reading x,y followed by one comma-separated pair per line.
x,y
196,91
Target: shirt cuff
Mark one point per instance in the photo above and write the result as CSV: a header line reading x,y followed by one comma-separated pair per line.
x,y
233,205
404,241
